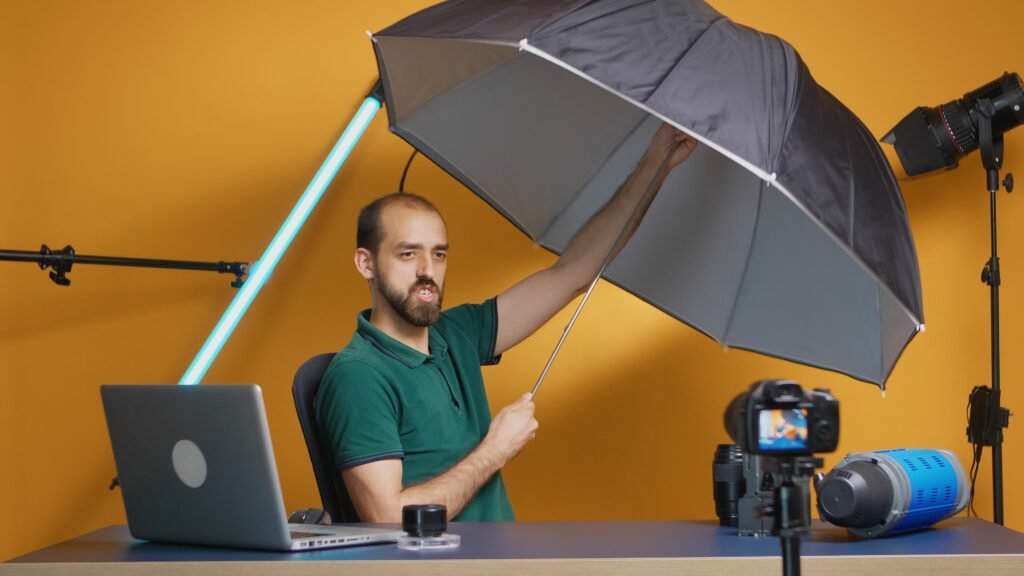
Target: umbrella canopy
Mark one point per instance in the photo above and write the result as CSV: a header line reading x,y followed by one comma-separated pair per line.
x,y
785,232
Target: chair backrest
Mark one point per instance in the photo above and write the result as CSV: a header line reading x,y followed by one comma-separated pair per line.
x,y
333,494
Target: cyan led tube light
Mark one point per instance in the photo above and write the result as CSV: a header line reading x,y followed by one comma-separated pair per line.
x,y
262,269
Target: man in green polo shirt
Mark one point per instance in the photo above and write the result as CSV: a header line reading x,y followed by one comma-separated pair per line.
x,y
403,405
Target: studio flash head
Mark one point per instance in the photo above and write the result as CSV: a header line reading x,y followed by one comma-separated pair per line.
x,y
928,139
892,491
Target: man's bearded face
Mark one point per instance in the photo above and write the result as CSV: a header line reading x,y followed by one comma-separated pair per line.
x,y
419,305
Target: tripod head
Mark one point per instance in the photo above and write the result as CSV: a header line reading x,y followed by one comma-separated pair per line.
x,y
791,506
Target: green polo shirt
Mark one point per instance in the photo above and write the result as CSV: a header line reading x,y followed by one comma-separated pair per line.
x,y
381,399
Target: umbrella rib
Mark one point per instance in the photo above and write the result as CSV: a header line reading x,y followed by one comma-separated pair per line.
x,y
746,264
644,200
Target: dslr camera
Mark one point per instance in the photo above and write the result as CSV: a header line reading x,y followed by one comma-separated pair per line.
x,y
777,427
778,418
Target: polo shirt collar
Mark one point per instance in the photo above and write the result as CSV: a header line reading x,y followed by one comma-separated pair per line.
x,y
398,350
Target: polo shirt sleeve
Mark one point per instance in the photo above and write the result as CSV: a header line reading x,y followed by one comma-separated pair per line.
x,y
479,322
358,413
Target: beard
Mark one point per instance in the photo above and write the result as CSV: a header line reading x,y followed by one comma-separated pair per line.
x,y
406,304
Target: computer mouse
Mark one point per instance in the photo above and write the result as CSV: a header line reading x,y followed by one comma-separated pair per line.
x,y
310,516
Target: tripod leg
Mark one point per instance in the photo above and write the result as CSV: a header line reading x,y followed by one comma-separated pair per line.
x,y
790,556
789,523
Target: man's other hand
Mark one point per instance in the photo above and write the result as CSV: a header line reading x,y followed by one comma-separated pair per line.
x,y
512,428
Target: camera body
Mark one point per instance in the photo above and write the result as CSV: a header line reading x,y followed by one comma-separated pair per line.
x,y
778,428
779,418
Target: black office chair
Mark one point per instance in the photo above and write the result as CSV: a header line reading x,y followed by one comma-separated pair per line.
x,y
333,494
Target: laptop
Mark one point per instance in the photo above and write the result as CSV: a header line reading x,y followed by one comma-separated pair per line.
x,y
195,465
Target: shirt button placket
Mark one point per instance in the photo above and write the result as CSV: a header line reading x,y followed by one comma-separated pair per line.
x,y
451,388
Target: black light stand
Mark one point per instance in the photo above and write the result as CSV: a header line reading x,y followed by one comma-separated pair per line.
x,y
987,417
62,260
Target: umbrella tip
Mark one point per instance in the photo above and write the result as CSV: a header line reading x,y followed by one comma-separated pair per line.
x,y
920,327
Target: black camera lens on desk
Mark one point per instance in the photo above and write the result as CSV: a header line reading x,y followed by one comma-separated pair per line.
x,y
425,520
425,526
727,475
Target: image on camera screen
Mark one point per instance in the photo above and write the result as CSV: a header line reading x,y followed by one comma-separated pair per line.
x,y
782,429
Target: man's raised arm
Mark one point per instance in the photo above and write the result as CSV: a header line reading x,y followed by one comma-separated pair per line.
x,y
525,307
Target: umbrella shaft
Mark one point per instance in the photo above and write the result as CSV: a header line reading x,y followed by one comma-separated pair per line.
x,y
648,193
565,333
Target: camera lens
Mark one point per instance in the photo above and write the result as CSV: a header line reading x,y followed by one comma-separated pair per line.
x,y
424,520
727,475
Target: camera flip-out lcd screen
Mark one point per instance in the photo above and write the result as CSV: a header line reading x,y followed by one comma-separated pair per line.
x,y
782,429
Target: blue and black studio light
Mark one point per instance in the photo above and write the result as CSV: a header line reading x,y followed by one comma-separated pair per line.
x,y
262,269
890,491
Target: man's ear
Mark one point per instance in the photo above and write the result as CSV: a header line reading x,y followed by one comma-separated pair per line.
x,y
364,263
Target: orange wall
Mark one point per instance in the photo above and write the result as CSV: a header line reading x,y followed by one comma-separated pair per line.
x,y
187,130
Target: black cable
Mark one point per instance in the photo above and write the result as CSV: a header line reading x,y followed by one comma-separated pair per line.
x,y
976,459
401,184
972,474
975,467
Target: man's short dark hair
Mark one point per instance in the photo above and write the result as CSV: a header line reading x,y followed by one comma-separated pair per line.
x,y
369,234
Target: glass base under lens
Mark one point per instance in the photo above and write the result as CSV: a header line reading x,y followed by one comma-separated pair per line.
x,y
442,542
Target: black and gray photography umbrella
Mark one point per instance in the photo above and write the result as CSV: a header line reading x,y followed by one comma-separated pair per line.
x,y
785,233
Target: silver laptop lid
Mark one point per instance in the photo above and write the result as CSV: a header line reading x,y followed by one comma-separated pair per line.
x,y
195,464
